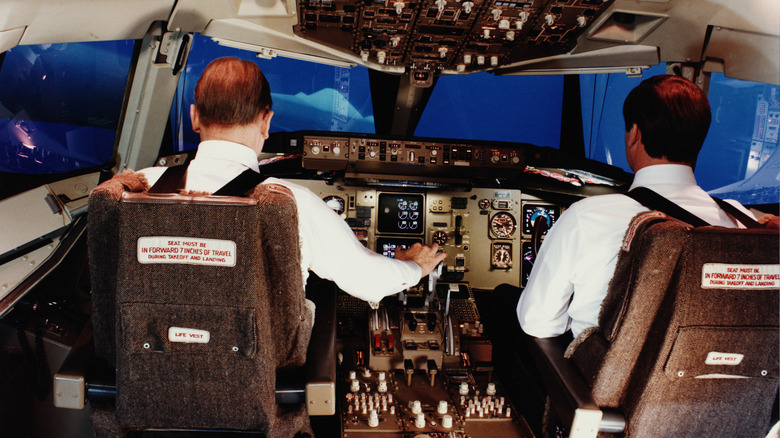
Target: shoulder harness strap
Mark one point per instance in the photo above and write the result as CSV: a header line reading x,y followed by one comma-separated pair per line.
x,y
737,214
654,201
174,178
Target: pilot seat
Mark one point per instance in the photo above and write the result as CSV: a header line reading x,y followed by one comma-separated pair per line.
x,y
199,305
687,342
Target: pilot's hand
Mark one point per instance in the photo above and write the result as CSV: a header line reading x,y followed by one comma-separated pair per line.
x,y
770,221
428,257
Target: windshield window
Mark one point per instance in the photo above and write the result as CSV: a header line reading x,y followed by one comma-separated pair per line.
x,y
60,105
306,95
482,106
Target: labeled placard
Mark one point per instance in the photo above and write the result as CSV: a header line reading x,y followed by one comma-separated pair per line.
x,y
728,276
188,335
186,250
717,358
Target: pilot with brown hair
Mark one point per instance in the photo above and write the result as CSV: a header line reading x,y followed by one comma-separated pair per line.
x,y
232,113
666,119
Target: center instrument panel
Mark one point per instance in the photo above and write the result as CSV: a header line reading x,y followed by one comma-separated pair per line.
x,y
419,364
486,232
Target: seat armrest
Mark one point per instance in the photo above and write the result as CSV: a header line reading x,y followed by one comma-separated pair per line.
x,y
315,384
69,384
321,356
569,395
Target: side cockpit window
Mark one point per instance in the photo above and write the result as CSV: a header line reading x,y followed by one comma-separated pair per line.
x,y
740,158
60,106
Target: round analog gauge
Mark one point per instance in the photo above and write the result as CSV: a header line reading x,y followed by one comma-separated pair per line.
x,y
440,237
502,256
483,204
503,225
336,203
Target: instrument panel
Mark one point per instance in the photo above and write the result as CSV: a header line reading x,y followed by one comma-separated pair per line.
x,y
430,36
364,154
483,230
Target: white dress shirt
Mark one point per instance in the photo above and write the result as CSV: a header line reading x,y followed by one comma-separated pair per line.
x,y
329,248
577,258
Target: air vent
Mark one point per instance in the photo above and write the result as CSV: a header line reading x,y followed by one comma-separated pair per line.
x,y
627,27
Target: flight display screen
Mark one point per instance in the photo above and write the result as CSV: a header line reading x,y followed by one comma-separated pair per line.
x,y
388,246
533,212
400,213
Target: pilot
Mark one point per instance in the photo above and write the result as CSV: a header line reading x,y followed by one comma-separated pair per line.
x,y
666,119
232,114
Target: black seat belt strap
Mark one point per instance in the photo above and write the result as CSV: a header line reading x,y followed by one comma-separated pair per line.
x,y
737,214
654,201
241,184
172,179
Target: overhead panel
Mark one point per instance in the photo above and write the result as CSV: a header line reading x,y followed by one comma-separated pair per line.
x,y
431,36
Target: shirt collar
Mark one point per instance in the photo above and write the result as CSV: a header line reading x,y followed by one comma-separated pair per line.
x,y
228,151
671,174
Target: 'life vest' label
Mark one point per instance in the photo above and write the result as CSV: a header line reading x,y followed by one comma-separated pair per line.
x,y
716,358
188,335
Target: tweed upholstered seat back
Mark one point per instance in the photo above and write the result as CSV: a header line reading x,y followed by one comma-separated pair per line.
x,y
198,300
687,343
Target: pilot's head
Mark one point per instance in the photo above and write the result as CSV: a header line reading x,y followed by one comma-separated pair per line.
x,y
673,116
233,103
232,91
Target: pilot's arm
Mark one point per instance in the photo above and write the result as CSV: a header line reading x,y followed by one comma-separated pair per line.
x,y
331,250
575,264
542,309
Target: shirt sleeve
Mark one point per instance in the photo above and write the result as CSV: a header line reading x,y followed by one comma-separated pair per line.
x,y
543,305
334,253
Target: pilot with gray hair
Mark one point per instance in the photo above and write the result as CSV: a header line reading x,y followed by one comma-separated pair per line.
x,y
232,113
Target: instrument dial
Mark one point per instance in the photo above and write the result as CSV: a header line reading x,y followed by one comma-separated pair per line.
x,y
503,225
502,256
535,212
440,237
336,203
483,204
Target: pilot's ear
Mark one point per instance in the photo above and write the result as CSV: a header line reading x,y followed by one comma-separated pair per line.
x,y
266,123
633,136
195,118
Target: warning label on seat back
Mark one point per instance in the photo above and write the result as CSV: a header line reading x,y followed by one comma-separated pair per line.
x,y
186,250
726,276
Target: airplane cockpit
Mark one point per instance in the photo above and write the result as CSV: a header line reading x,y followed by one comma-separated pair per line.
x,y
471,124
